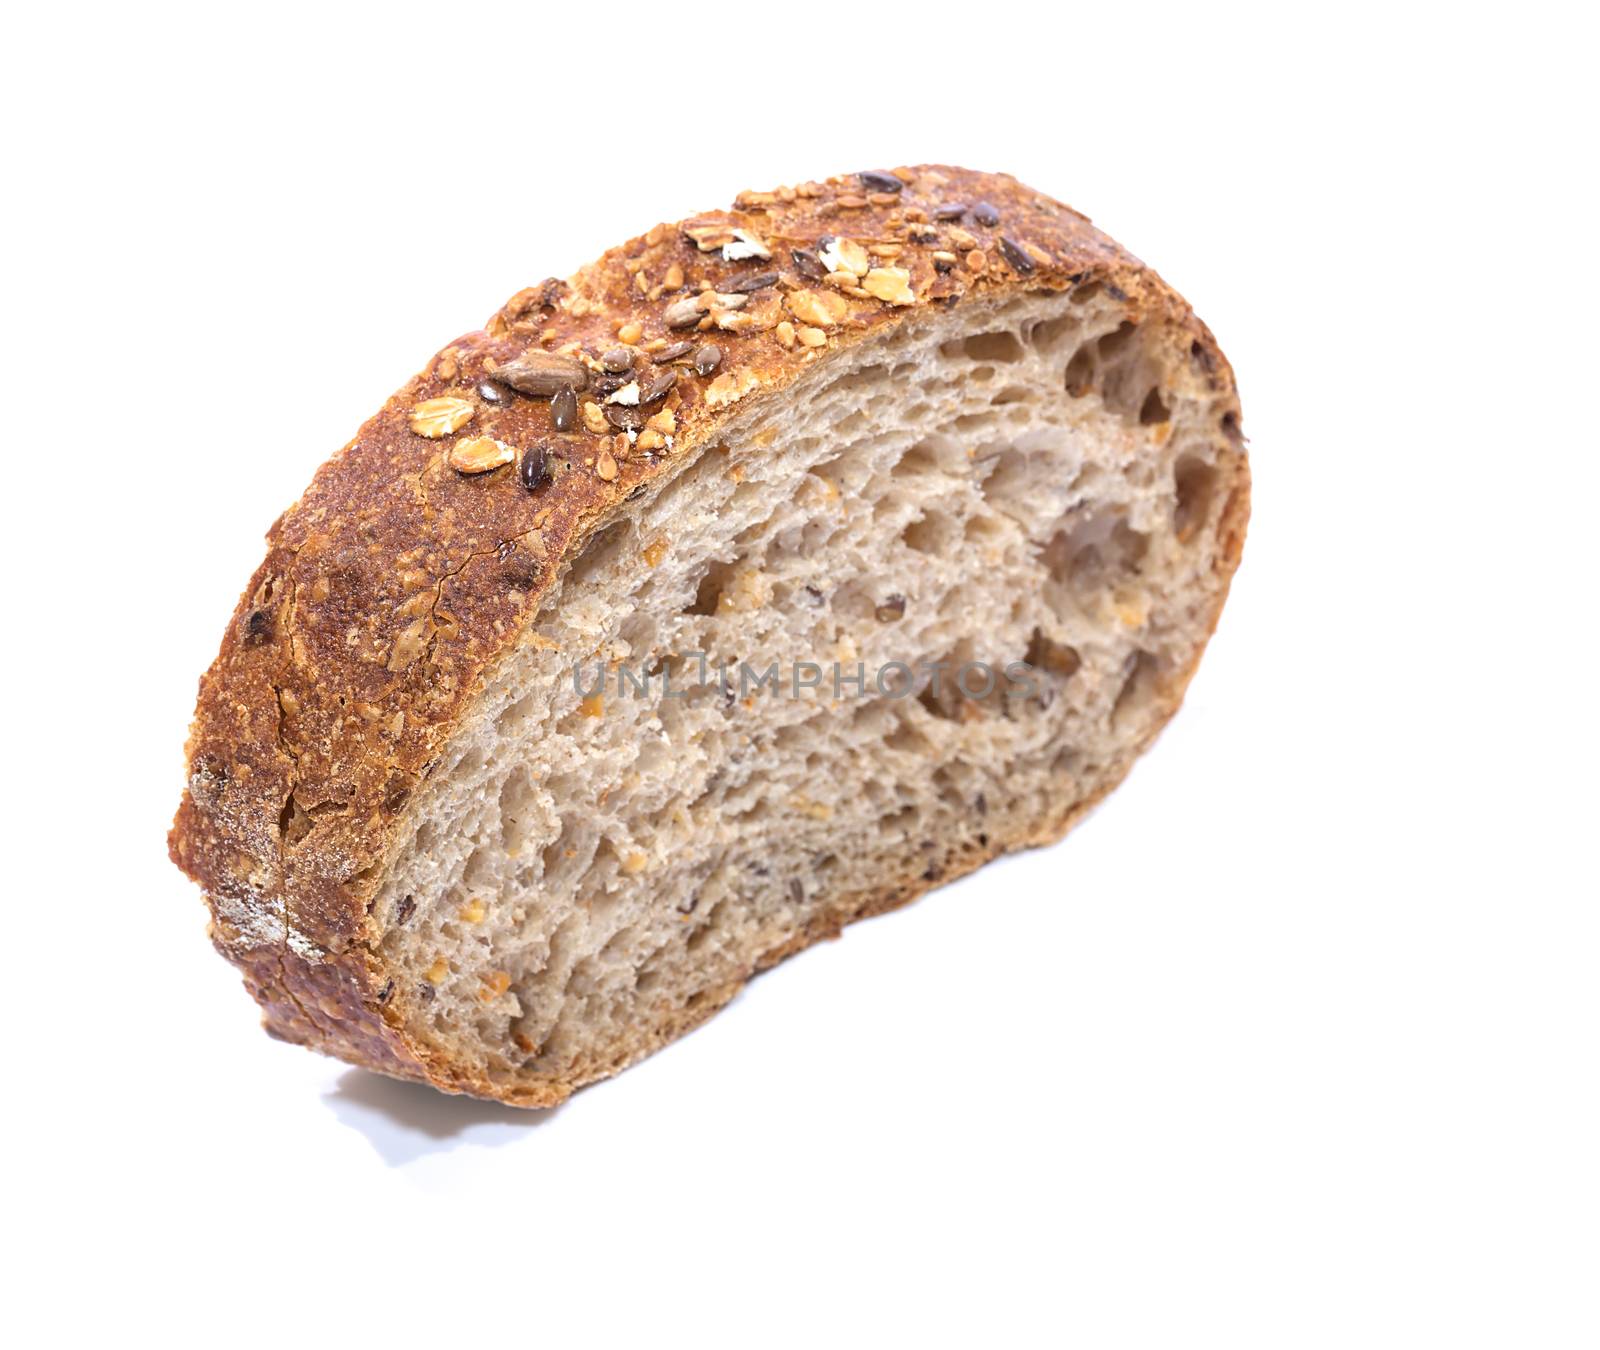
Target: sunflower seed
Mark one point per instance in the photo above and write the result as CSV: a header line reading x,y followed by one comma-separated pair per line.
x,y
875,181
542,374
707,359
808,264
1016,255
659,387
986,214
758,281
683,313
624,416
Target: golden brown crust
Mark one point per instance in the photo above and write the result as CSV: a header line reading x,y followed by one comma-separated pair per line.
x,y
395,583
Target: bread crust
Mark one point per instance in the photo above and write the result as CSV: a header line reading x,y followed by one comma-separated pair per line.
x,y
395,584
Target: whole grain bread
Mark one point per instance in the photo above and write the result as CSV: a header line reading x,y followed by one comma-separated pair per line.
x,y
920,417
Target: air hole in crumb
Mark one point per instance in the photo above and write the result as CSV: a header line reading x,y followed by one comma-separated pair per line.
x,y
1080,372
1002,346
513,717
1114,343
943,703
983,530
919,459
479,873
1153,410
1094,552
708,595
1009,480
907,738
1139,687
599,554
933,534
1196,482
518,807
710,928
1047,333
897,822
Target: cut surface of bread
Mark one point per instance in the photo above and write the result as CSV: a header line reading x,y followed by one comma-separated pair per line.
x,y
887,594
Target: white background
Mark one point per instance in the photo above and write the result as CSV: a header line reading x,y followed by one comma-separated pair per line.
x,y
1294,1043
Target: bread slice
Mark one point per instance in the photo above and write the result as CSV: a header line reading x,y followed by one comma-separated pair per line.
x,y
782,564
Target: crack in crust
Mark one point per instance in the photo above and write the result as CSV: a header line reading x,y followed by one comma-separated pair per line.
x,y
321,714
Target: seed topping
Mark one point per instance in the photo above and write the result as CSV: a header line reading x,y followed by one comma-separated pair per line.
x,y
844,255
534,471
542,374
479,454
708,235
892,284
874,181
683,313
564,409
730,387
808,264
757,281
437,417
707,359
744,245
1015,256
658,388
819,309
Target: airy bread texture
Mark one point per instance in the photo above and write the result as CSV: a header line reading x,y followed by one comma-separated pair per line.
x,y
959,547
